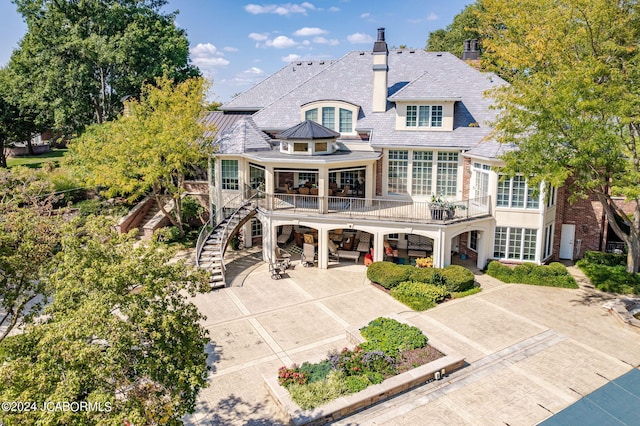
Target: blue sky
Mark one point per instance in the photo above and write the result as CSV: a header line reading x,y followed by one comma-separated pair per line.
x,y
239,43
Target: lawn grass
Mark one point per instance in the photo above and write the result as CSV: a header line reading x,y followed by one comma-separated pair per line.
x,y
36,161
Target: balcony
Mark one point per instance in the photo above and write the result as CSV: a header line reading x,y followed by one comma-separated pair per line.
x,y
373,209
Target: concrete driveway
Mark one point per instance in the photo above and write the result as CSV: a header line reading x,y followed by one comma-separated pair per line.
x,y
532,351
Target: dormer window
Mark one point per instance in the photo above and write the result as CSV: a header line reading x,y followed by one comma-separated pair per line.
x,y
424,116
334,115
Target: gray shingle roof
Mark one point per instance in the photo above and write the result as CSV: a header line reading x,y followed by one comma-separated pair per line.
x,y
490,149
276,85
308,130
242,137
351,79
412,74
426,86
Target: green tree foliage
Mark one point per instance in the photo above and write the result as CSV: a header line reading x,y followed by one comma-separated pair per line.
x,y
465,26
573,106
150,149
29,236
78,59
119,331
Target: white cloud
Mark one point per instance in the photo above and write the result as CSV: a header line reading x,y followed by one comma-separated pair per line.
x,y
229,49
207,57
359,38
291,57
281,42
309,32
279,9
253,71
258,37
322,40
306,42
432,17
365,15
334,9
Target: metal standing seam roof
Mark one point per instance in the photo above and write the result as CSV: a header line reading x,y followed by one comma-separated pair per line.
x,y
308,129
616,403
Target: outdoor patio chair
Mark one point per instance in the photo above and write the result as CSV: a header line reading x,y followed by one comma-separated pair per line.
x,y
285,236
344,192
283,257
308,255
304,191
276,269
333,251
365,242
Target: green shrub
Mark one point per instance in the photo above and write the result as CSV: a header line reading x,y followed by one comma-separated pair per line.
x,y
388,274
313,395
608,259
191,209
419,296
427,276
391,337
461,294
356,383
375,377
612,279
317,371
457,278
529,273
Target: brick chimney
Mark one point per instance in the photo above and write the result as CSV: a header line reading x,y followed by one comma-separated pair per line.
x,y
380,73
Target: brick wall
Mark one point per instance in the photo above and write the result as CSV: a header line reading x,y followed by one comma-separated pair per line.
x,y
466,178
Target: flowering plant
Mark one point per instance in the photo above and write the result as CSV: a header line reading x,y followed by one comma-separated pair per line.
x,y
424,262
288,376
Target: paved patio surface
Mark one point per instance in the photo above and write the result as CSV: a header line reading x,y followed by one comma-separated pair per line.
x,y
532,351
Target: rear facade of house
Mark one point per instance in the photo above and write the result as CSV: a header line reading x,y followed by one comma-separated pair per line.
x,y
388,153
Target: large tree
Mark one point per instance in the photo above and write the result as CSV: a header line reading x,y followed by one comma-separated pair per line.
x,y
465,26
79,59
573,106
152,148
29,236
119,338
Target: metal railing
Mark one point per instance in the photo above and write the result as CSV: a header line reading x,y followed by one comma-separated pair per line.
x,y
375,209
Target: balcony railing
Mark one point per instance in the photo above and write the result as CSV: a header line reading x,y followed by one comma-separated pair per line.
x,y
374,209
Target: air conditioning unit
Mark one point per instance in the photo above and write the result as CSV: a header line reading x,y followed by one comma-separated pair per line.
x,y
437,375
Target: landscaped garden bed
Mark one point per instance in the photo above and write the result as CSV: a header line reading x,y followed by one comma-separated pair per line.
x,y
422,288
608,272
553,275
391,357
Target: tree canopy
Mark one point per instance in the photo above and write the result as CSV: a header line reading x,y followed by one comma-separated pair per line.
x,y
152,148
465,26
573,106
29,237
78,59
119,334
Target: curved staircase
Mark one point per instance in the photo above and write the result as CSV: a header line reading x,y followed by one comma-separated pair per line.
x,y
213,241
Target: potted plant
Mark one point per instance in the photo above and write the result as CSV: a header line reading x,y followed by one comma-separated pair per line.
x,y
442,208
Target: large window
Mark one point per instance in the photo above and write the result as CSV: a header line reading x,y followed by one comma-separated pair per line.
x,y
473,240
346,121
329,117
256,177
230,174
422,171
515,243
256,228
481,182
447,178
414,171
312,115
548,241
424,116
398,168
515,193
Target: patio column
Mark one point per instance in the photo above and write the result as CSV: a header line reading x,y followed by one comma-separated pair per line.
x,y
323,190
323,249
269,180
378,247
369,184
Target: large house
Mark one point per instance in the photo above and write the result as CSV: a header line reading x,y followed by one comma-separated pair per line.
x,y
374,150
